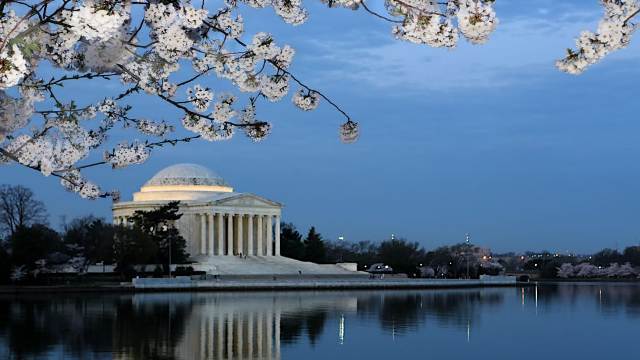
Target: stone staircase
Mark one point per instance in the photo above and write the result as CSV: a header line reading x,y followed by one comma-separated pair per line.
x,y
267,266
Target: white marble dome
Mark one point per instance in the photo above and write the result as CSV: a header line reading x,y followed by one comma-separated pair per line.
x,y
182,182
186,174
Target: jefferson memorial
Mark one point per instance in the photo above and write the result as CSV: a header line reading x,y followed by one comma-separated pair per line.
x,y
220,224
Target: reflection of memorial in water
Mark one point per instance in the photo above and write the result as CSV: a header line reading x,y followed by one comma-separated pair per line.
x,y
406,311
264,325
236,326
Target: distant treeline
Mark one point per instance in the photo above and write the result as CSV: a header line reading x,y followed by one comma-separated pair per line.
x,y
402,255
31,249
608,260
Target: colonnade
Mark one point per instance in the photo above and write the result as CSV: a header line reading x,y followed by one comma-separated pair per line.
x,y
229,335
239,234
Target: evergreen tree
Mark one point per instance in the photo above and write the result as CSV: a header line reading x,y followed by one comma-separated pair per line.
x,y
291,244
403,256
158,224
132,246
605,257
91,239
30,244
632,255
314,247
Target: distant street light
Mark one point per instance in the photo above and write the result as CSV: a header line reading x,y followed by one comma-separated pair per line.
x,y
467,239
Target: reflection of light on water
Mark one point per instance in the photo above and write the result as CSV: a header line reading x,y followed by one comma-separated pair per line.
x,y
536,299
468,331
522,290
600,296
393,331
341,330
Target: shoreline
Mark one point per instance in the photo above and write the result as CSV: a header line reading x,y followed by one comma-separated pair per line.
x,y
594,280
247,285
239,285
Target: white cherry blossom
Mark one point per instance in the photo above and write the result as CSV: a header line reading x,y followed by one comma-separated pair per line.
x,y
306,100
614,33
169,52
13,67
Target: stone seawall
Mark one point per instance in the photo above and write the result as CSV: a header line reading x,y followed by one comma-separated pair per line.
x,y
185,283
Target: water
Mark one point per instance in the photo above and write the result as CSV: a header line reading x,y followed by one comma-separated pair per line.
x,y
586,321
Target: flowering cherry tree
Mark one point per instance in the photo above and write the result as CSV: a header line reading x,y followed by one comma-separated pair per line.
x,y
165,49
566,270
613,33
586,270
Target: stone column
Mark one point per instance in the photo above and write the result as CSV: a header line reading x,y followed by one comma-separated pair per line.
x,y
203,240
203,232
229,234
220,227
250,250
277,233
259,231
269,229
239,235
210,217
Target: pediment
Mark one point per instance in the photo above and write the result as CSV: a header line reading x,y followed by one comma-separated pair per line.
x,y
247,200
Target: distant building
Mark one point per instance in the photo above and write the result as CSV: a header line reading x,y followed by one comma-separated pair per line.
x,y
216,220
218,223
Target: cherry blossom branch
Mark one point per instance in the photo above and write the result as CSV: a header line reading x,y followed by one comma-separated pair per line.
x,y
366,8
58,82
58,174
191,112
631,16
415,8
172,142
299,82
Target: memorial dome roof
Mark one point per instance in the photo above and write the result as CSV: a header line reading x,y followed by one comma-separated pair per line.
x,y
186,174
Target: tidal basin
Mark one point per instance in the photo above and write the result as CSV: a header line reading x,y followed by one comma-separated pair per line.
x,y
563,320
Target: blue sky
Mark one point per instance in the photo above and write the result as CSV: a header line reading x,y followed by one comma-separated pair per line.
x,y
488,139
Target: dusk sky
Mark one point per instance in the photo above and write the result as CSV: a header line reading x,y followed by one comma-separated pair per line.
x,y
487,139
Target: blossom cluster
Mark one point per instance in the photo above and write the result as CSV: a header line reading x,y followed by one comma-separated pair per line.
x,y
200,97
73,181
613,33
437,23
165,50
586,270
306,99
124,155
349,132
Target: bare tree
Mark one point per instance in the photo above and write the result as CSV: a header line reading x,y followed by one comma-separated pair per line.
x,y
18,207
